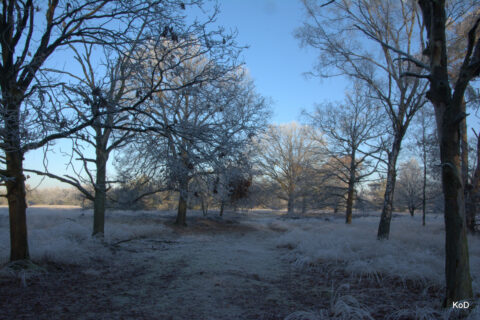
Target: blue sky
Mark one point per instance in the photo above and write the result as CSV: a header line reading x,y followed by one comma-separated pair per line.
x,y
274,59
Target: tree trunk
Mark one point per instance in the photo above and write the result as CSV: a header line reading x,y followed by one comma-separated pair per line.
x,y
424,186
182,204
291,203
386,218
17,206
351,189
457,270
411,209
304,205
473,190
204,206
448,113
222,206
348,218
470,209
100,200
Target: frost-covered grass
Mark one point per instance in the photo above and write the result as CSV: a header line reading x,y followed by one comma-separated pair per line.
x,y
344,264
63,235
413,252
413,256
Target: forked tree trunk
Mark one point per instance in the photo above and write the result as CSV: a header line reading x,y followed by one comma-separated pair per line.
x,y
17,206
386,218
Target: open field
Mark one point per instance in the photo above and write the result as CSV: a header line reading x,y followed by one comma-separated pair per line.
x,y
245,266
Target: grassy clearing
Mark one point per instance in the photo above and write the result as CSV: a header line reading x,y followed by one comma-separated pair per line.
x,y
245,266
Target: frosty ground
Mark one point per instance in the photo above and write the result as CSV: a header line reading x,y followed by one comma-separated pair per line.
x,y
255,265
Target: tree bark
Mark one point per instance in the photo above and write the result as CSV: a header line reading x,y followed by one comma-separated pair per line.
x,y
351,189
17,206
386,218
100,198
348,218
15,183
470,209
473,190
304,205
204,206
291,203
448,114
182,204
457,270
222,207
411,209
424,186
100,187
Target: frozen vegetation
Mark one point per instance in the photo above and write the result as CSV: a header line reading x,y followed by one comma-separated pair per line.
x,y
256,265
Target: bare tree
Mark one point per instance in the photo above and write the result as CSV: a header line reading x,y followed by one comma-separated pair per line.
x,y
285,152
350,130
343,32
31,114
205,124
409,191
424,142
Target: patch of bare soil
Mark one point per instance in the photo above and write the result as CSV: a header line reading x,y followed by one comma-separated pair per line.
x,y
212,269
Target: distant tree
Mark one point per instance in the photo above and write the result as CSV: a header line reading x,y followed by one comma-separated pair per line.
x,y
343,32
351,131
285,154
205,124
425,144
409,191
